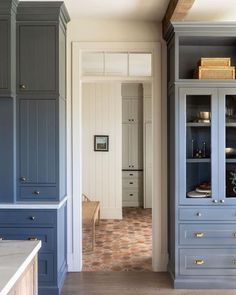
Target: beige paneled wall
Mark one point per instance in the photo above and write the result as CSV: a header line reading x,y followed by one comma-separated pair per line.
x,y
102,115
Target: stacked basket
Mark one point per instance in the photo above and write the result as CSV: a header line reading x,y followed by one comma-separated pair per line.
x,y
215,69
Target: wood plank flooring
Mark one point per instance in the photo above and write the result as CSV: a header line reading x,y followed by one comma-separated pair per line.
x,y
127,283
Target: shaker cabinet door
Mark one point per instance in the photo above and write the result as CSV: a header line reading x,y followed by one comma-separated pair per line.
x,y
4,55
37,58
136,146
125,146
37,142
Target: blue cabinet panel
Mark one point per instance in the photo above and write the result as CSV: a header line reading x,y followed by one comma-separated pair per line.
x,y
46,268
4,54
37,142
37,58
207,261
207,234
38,193
46,235
6,151
32,218
202,214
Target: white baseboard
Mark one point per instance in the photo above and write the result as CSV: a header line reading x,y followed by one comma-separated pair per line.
x,y
132,204
161,264
111,213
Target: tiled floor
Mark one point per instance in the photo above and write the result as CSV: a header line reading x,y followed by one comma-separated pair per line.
x,y
121,245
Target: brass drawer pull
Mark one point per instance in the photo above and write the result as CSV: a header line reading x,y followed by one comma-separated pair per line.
x,y
199,235
131,183
32,239
234,235
199,262
36,193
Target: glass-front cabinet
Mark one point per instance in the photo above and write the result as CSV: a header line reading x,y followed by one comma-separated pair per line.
x,y
199,149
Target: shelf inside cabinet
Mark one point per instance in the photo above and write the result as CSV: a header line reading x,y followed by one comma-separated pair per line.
x,y
196,124
202,160
230,160
230,124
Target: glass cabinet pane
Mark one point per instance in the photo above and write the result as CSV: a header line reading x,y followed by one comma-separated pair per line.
x,y
230,148
198,146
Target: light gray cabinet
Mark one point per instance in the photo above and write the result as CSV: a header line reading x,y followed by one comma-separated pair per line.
x,y
132,140
202,159
132,146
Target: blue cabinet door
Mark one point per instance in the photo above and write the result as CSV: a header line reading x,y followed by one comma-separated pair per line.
x,y
37,60
37,142
6,151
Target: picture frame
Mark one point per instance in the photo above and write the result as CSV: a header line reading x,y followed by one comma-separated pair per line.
x,y
101,143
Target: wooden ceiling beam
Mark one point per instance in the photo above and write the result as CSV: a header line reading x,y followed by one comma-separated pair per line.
x,y
176,11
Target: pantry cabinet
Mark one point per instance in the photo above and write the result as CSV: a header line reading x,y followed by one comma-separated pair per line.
x,y
202,159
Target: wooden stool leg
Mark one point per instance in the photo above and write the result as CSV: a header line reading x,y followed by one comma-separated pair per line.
x,y
93,235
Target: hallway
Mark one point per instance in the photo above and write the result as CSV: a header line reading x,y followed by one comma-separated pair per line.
x,y
121,245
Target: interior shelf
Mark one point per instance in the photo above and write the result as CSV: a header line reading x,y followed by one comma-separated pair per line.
x,y
200,124
202,160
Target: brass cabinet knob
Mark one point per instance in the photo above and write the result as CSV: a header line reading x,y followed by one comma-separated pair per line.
x,y
32,239
36,193
234,261
131,195
199,235
131,183
234,234
199,261
199,214
215,201
22,86
32,218
222,201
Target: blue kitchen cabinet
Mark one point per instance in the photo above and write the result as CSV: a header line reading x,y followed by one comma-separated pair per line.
x,y
202,159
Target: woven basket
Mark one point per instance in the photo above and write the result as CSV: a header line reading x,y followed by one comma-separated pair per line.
x,y
215,61
215,73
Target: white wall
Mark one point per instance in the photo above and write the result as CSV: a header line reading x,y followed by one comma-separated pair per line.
x,y
101,171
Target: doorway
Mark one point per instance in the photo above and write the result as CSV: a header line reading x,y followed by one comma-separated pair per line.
x,y
120,177
159,198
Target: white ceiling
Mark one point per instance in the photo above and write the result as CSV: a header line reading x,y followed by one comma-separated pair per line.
x,y
148,10
213,10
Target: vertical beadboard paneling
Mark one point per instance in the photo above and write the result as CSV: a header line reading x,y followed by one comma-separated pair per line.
x,y
102,171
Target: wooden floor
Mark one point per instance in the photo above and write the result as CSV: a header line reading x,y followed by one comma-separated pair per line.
x,y
127,283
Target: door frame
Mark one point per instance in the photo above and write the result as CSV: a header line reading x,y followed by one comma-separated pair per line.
x,y
159,199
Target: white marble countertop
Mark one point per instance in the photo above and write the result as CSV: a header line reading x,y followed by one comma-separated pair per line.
x,y
34,205
15,256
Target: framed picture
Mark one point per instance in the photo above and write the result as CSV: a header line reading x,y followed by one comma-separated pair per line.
x,y
101,143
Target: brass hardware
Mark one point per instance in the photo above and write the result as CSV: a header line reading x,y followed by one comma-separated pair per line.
x,y
131,183
32,217
199,214
131,174
199,235
234,235
32,239
131,195
23,179
1,239
222,201
199,261
215,201
22,86
36,193
234,261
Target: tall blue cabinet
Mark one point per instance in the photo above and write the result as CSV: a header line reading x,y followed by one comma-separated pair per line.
x,y
33,132
202,159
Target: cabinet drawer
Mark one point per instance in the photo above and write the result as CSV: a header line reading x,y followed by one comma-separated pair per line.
x,y
46,235
207,262
45,268
131,196
132,174
19,218
199,214
132,183
207,234
38,193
